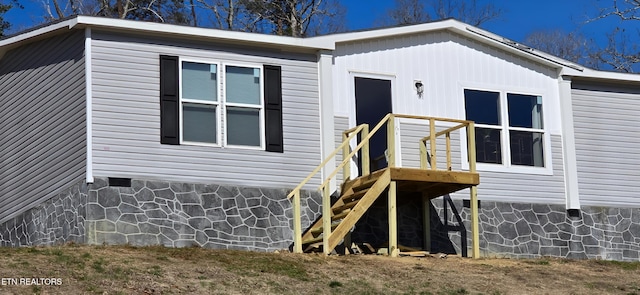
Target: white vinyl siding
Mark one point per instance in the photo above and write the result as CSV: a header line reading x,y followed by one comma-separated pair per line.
x,y
126,123
42,93
607,127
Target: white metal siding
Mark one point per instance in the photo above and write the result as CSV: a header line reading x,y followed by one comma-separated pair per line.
x,y
126,126
607,124
341,124
494,186
42,93
446,63
410,136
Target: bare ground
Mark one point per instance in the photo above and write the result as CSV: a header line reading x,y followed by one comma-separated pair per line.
x,y
158,270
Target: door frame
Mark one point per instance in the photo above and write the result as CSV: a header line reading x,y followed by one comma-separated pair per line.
x,y
352,108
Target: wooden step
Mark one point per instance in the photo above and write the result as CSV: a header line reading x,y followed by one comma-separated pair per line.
x,y
365,184
354,196
320,230
311,241
349,205
341,215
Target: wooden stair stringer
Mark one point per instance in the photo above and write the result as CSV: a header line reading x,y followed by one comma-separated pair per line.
x,y
358,210
347,186
309,234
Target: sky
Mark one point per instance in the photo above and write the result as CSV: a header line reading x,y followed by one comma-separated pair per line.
x,y
519,18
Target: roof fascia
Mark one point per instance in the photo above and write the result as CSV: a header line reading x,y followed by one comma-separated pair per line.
x,y
14,41
199,33
603,75
516,48
457,27
381,33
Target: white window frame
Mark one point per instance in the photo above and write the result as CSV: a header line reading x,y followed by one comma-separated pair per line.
x,y
222,104
217,103
505,143
242,105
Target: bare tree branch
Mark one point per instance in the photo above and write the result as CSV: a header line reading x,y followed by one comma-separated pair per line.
x,y
414,11
570,46
620,53
627,10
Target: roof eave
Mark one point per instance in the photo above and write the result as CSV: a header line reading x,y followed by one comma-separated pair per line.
x,y
589,74
458,27
17,40
200,33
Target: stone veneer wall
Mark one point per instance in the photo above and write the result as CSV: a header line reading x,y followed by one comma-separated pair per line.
x,y
58,220
185,214
516,230
531,230
258,219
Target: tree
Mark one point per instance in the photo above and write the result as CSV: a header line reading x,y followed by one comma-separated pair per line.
x,y
570,46
169,11
467,11
621,52
407,12
5,25
281,17
231,15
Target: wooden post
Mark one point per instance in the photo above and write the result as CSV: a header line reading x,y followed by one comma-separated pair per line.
x,y
426,221
326,219
393,221
473,191
448,139
423,154
432,142
297,224
365,152
391,141
347,243
346,170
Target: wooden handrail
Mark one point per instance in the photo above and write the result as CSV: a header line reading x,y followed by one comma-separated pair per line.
x,y
355,150
326,160
363,146
434,118
431,138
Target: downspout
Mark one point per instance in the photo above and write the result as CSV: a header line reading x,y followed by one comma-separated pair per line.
x,y
568,144
89,104
327,140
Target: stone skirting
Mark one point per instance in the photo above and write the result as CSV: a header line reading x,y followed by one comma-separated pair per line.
x,y
515,230
184,214
259,219
522,230
58,220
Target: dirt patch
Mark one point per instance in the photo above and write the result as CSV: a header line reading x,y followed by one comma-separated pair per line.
x,y
158,270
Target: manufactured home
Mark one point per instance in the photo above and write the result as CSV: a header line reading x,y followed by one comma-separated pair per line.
x,y
438,136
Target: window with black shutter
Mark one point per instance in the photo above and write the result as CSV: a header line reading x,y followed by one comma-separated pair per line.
x,y
221,104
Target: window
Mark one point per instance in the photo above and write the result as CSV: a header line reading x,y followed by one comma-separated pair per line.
x,y
509,127
220,104
229,118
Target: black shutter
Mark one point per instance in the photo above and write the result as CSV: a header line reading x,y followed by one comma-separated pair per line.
x,y
273,108
169,104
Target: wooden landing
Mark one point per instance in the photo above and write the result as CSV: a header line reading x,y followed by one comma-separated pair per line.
x,y
431,183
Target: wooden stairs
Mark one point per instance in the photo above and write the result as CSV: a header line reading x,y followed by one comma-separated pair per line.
x,y
358,195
